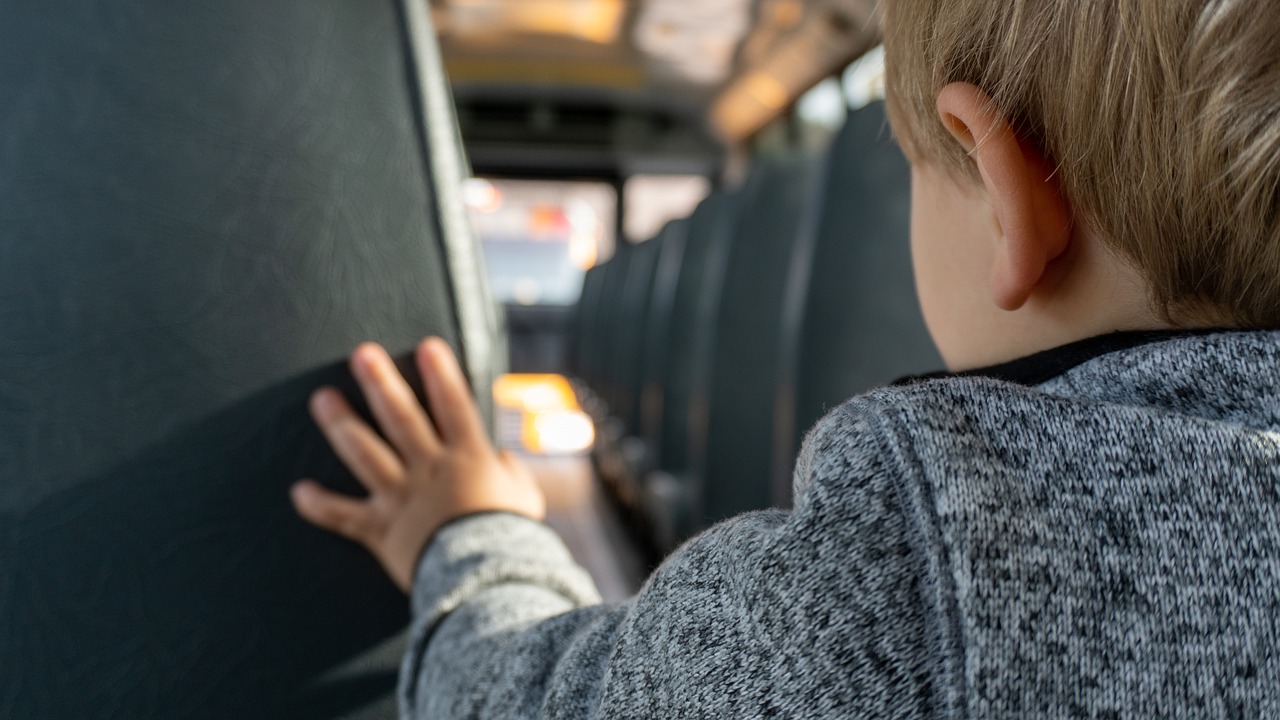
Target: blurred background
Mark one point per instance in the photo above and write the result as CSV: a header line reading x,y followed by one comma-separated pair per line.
x,y
592,126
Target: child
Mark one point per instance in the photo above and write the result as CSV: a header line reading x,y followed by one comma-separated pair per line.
x,y
1091,530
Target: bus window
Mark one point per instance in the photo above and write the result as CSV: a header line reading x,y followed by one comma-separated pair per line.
x,y
539,237
652,201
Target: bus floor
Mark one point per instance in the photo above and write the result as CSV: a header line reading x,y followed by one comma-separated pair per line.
x,y
579,510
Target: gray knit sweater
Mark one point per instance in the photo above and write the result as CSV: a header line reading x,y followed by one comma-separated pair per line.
x,y
1104,544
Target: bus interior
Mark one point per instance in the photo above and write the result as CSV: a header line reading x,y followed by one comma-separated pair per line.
x,y
665,237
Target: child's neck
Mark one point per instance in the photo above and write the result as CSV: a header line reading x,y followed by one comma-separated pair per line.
x,y
1093,293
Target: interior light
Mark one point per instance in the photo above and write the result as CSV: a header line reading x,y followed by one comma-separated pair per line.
x,y
767,90
561,432
551,421
824,105
597,21
796,63
585,233
535,392
584,251
788,13
864,79
481,195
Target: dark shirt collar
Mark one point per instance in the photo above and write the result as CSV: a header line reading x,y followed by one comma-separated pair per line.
x,y
1049,364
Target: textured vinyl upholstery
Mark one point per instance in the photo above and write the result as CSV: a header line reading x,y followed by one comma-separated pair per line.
x,y
637,289
708,240
593,314
853,319
583,349
655,363
609,320
746,335
204,206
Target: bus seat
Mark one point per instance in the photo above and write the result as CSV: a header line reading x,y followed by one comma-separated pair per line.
x,y
656,348
737,445
204,206
644,352
667,499
710,228
852,312
618,451
602,368
637,290
612,311
583,333
596,306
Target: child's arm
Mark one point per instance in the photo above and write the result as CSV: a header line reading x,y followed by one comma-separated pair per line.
x,y
809,613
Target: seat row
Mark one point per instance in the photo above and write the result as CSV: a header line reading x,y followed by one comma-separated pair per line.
x,y
707,352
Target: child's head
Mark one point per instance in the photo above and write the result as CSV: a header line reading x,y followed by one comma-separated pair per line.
x,y
1156,121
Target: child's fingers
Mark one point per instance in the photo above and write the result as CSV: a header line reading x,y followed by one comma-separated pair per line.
x,y
449,394
373,463
392,402
336,513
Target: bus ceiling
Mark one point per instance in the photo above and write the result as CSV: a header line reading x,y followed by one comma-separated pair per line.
x,y
610,88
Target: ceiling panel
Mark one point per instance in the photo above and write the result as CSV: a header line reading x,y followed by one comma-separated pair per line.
x,y
737,63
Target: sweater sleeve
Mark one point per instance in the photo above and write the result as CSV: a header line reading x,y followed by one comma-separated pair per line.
x,y
813,612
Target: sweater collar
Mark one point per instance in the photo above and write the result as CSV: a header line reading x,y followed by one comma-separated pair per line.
x,y
1049,364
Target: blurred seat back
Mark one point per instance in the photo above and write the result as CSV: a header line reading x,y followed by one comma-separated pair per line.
x,y
206,206
636,293
655,363
668,493
610,321
698,288
852,319
582,341
737,440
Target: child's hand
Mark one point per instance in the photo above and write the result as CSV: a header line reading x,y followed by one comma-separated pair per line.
x,y
428,474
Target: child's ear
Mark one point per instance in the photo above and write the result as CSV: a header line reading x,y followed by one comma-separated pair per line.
x,y
1032,215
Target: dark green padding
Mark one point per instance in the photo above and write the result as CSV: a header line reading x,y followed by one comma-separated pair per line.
x,y
595,307
858,324
696,302
746,336
656,351
636,291
204,206
612,308
583,332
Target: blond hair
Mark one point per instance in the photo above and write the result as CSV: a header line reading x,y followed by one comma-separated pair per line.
x,y
1162,118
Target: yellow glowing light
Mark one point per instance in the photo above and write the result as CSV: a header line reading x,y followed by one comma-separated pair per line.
x,y
597,21
560,432
788,13
585,233
767,90
551,421
535,392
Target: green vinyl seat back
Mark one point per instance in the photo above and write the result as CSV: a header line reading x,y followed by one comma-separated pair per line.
x,y
708,239
737,440
204,207
853,317
582,346
636,290
656,353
